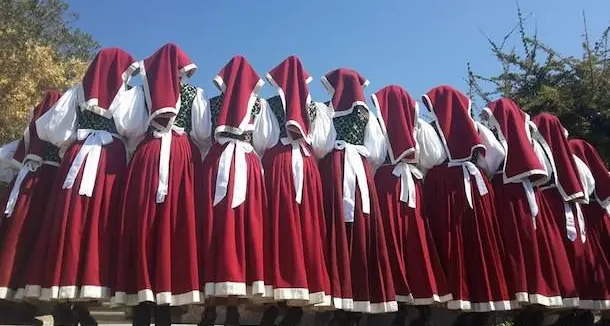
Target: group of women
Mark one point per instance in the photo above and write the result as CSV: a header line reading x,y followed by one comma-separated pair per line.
x,y
158,195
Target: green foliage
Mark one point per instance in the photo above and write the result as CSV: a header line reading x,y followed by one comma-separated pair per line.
x,y
40,51
576,89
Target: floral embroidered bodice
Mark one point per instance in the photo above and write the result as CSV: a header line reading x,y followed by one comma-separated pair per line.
x,y
275,103
215,104
89,120
187,96
351,127
51,153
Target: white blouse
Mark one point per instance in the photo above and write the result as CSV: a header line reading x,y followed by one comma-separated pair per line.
x,y
8,170
59,127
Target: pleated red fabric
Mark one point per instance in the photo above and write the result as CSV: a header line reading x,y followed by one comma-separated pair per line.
x,y
81,249
294,232
20,232
595,294
563,252
531,278
594,287
467,240
231,239
416,268
158,245
357,257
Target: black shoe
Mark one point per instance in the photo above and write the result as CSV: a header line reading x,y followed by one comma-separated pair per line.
x,y
163,316
208,318
400,317
339,318
269,316
83,316
603,322
293,317
63,315
353,318
141,314
584,318
232,318
422,320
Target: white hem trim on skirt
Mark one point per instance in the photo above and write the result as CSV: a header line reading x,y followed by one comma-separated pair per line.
x,y
73,292
161,298
595,304
482,306
239,289
526,298
295,297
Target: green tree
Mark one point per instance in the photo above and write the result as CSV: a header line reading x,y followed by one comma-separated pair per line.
x,y
40,50
576,89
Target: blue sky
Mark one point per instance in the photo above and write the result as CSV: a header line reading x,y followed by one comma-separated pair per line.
x,y
417,44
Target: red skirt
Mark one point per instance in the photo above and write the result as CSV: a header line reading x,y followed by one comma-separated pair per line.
x,y
357,257
467,239
231,239
531,276
158,252
565,252
595,292
20,232
418,275
77,254
295,270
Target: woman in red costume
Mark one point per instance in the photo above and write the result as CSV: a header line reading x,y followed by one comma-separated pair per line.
x,y
158,262
595,294
418,275
295,271
24,207
90,122
234,202
460,205
357,257
561,195
527,228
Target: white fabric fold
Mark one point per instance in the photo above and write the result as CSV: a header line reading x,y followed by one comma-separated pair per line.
x,y
531,198
354,174
298,175
469,169
237,148
570,221
581,223
164,156
406,172
89,154
14,195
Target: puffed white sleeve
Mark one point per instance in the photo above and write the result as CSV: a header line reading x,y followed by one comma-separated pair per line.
x,y
494,152
266,129
8,170
201,131
374,141
131,117
322,133
58,125
431,150
586,178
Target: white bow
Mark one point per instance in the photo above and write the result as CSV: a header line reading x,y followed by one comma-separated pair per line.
x,y
469,169
28,166
164,156
531,199
90,154
406,172
354,173
240,179
571,222
297,164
